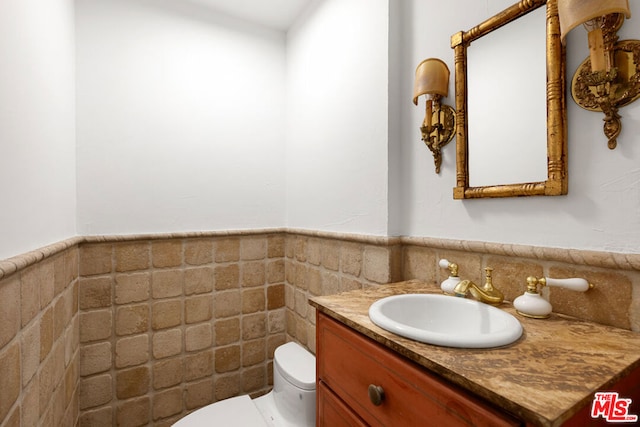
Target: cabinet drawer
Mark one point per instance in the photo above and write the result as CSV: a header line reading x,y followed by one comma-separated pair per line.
x,y
349,362
334,411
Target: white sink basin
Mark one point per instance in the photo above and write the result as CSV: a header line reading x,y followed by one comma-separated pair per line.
x,y
445,320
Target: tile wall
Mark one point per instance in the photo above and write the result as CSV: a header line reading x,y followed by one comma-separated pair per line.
x,y
323,264
39,338
171,325
141,330
614,301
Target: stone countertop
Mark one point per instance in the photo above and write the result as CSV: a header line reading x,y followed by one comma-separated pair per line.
x,y
544,378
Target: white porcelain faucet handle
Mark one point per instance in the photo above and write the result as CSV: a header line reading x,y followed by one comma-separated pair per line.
x,y
444,263
574,284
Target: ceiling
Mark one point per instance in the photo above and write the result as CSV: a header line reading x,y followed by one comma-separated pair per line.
x,y
276,14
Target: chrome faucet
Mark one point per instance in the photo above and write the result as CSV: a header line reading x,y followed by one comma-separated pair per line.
x,y
487,293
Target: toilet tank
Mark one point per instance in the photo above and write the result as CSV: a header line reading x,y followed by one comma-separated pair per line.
x,y
294,384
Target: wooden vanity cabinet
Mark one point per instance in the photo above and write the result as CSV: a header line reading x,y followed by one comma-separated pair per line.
x,y
349,363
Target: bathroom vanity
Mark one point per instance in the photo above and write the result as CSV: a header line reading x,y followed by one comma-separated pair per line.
x,y
368,376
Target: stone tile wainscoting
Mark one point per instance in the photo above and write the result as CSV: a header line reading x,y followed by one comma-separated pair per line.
x,y
39,337
141,330
169,325
325,264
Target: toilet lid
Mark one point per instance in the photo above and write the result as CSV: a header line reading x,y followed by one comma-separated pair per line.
x,y
233,412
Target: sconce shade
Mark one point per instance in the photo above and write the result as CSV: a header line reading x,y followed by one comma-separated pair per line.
x,y
576,12
432,77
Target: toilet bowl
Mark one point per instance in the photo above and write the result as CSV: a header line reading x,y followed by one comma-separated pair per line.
x,y
291,403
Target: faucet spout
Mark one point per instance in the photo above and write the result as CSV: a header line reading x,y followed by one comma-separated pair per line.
x,y
487,293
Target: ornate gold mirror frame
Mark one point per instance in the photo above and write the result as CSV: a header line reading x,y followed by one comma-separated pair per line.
x,y
556,183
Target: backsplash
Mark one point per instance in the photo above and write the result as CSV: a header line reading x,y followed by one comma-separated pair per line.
x,y
141,330
614,301
325,263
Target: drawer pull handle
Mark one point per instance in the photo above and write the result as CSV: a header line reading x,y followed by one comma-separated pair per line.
x,y
376,394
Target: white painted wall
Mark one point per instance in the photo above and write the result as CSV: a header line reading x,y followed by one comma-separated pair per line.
x,y
337,121
180,119
37,124
602,209
181,125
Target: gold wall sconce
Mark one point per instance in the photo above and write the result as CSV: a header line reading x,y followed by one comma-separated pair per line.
x,y
438,127
610,77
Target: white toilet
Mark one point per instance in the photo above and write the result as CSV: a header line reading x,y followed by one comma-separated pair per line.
x,y
291,403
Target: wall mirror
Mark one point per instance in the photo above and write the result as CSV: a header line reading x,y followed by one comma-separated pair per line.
x,y
510,101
